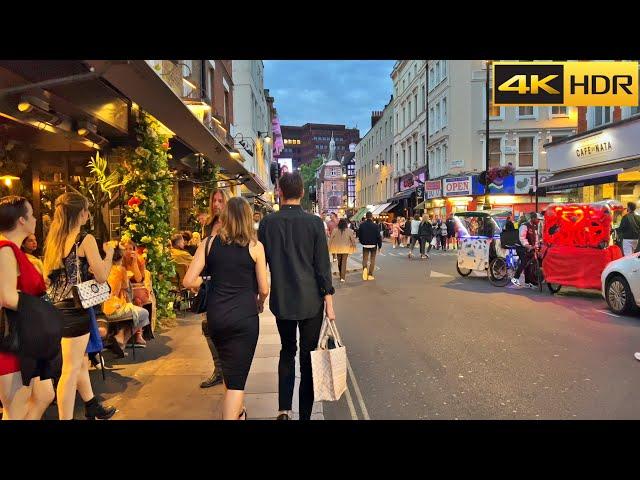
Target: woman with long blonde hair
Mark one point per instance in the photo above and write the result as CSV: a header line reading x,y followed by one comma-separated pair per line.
x,y
66,249
236,259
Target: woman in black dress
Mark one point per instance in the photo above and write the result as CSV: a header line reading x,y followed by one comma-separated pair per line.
x,y
236,262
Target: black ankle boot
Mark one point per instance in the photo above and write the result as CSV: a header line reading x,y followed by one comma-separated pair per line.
x,y
94,410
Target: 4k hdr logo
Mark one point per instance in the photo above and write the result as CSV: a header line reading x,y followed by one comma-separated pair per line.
x,y
579,84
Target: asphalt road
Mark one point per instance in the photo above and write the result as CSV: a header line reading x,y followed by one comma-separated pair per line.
x,y
425,343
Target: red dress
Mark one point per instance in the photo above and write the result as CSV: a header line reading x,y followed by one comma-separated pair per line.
x,y
30,281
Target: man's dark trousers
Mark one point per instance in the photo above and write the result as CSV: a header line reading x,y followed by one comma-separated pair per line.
x,y
309,335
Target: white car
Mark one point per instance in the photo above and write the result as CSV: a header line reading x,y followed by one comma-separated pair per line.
x,y
621,283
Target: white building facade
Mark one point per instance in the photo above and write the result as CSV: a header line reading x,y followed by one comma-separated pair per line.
x,y
374,165
252,121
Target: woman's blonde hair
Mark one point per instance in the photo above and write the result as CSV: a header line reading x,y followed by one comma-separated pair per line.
x,y
425,217
236,223
68,208
195,239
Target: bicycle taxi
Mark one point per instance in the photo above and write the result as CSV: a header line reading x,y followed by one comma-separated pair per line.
x,y
478,236
578,245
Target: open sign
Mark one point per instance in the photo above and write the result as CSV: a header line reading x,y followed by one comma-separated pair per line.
x,y
457,186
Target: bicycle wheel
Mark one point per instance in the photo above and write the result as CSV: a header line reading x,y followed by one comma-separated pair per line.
x,y
464,272
498,272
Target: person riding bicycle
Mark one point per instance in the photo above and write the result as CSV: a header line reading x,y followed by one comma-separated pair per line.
x,y
528,233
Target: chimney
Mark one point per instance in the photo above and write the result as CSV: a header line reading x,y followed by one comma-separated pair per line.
x,y
375,116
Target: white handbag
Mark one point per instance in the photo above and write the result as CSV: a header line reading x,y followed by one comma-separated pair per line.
x,y
89,293
329,366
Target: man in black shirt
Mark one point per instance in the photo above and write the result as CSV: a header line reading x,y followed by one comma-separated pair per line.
x,y
371,241
301,288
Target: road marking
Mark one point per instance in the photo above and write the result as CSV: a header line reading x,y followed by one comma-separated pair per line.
x,y
352,410
609,313
363,407
439,275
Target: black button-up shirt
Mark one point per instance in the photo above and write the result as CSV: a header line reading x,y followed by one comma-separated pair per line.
x,y
296,248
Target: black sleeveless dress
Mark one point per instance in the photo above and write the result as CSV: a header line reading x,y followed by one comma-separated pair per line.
x,y
232,311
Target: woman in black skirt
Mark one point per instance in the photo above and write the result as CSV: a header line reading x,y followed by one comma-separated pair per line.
x,y
236,262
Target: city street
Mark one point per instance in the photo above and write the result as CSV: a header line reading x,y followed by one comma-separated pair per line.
x,y
425,343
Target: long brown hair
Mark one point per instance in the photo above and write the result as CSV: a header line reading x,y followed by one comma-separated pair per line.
x,y
68,208
126,262
236,223
225,196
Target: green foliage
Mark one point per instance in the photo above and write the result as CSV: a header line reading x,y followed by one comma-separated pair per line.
x,y
148,190
203,191
308,172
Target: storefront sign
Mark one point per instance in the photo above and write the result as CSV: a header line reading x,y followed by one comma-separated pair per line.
x,y
457,163
619,142
499,185
457,186
526,181
433,189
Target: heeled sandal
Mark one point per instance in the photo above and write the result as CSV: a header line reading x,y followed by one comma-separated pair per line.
x,y
243,414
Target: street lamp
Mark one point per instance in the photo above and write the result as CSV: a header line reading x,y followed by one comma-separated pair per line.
x,y
487,205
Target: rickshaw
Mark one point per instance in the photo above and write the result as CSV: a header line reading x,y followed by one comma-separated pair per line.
x,y
577,243
478,235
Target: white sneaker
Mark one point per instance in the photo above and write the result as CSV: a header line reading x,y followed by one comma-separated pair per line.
x,y
365,273
637,355
371,277
342,280
516,282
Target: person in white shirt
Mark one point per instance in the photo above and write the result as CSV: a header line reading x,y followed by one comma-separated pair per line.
x,y
528,233
415,228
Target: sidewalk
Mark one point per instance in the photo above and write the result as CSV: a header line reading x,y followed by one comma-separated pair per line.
x,y
352,265
163,382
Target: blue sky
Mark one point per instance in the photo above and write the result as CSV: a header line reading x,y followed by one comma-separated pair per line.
x,y
329,91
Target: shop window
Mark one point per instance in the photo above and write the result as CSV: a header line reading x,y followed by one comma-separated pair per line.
x,y
495,153
558,111
525,151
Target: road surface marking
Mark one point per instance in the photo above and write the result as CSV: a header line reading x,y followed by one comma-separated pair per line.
x,y
439,275
363,407
609,313
352,410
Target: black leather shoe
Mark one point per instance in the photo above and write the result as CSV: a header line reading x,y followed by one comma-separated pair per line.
x,y
94,410
214,379
283,416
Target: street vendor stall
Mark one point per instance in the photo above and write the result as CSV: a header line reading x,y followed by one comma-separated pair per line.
x,y
577,243
478,236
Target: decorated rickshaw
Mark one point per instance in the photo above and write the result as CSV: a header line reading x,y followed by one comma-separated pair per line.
x,y
577,243
478,236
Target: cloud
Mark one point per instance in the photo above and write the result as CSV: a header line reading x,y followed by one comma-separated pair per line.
x,y
329,91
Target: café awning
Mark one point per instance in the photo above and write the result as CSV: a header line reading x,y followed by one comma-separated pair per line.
x,y
378,209
137,80
359,214
589,176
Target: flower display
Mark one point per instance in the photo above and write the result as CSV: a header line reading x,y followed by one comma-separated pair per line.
x,y
149,187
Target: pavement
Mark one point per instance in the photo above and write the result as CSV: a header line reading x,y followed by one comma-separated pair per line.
x,y
163,382
425,343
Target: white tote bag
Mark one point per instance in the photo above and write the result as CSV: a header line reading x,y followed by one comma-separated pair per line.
x,y
329,366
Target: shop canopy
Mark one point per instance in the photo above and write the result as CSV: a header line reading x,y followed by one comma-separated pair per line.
x,y
588,176
380,208
359,215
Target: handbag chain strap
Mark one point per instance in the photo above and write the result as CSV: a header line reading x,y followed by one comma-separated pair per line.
x,y
206,257
78,278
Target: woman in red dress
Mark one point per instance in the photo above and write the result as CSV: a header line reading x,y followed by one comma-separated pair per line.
x,y
18,274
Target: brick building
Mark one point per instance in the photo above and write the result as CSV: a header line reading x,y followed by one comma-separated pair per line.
x,y
304,144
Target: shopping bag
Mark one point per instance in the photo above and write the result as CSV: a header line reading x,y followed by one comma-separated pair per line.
x,y
329,365
434,242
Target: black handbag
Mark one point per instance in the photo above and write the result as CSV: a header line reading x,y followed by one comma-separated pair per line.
x,y
9,338
199,303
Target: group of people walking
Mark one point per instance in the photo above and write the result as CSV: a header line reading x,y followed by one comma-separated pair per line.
x,y
235,256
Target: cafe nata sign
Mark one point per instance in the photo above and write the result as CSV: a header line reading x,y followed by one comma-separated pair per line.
x,y
597,146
